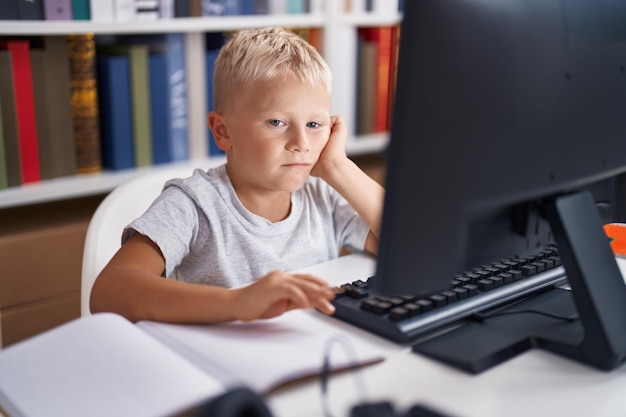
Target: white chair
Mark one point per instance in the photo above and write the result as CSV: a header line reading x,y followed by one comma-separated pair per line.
x,y
124,204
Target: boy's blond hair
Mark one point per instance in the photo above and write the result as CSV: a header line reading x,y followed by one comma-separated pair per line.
x,y
253,55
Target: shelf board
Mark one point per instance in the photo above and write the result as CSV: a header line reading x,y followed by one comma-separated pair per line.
x,y
85,185
183,25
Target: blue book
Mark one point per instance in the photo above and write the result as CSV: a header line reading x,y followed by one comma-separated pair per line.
x,y
116,124
210,57
9,10
223,7
177,94
171,47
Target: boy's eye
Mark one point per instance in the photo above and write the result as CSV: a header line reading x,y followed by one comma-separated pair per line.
x,y
313,124
275,122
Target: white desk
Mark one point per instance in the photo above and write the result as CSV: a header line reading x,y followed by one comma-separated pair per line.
x,y
535,383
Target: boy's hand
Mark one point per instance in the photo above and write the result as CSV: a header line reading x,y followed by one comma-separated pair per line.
x,y
335,150
279,292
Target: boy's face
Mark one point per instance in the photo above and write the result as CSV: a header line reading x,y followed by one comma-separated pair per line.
x,y
275,134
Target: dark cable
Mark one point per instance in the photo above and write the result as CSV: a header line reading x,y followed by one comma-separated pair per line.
x,y
325,372
485,316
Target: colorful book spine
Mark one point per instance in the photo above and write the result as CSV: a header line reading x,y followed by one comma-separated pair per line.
x,y
115,112
222,8
177,95
30,9
9,121
57,9
140,94
25,106
166,9
8,10
4,180
211,56
51,79
159,109
102,10
82,52
80,10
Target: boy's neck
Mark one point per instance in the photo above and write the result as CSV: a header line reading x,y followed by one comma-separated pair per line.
x,y
274,207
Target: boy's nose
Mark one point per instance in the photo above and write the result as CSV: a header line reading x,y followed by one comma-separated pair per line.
x,y
299,141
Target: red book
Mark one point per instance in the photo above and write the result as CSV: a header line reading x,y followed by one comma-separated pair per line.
x,y
25,106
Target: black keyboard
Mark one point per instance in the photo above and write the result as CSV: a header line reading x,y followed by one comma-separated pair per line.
x,y
403,318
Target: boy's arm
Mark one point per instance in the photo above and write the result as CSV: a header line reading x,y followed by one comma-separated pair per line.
x,y
131,285
364,194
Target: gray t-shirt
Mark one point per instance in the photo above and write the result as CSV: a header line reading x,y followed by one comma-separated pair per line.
x,y
207,236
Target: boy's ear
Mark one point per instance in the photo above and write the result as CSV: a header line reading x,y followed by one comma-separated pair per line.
x,y
220,131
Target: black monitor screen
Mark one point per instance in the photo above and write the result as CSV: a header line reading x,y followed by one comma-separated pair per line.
x,y
499,106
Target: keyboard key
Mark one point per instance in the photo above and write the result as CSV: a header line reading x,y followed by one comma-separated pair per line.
x,y
507,278
399,313
485,284
497,281
425,305
356,293
360,284
472,289
539,265
438,300
450,296
461,293
517,274
528,270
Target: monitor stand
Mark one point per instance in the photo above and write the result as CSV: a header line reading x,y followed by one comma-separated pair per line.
x,y
597,284
598,295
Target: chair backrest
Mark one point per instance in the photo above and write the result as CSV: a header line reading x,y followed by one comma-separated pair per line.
x,y
124,204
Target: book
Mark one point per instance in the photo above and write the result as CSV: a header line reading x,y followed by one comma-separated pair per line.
x,y
80,10
382,36
30,9
84,91
57,9
366,85
8,10
53,107
195,79
132,10
166,9
211,56
140,99
168,92
115,112
4,182
9,121
182,8
376,46
25,109
222,7
103,365
102,10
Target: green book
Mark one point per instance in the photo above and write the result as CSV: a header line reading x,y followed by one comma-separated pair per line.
x,y
80,10
10,138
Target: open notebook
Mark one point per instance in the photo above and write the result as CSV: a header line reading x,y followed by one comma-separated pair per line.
x,y
103,365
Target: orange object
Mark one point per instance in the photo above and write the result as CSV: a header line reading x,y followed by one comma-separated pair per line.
x,y
617,234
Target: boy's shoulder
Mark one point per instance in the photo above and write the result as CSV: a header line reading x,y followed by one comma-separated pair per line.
x,y
202,184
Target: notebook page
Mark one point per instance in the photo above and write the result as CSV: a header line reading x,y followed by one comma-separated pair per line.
x,y
100,365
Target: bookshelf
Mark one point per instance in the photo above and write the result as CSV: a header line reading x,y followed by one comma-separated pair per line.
x,y
340,40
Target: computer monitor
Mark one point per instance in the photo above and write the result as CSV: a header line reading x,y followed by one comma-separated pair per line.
x,y
507,114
